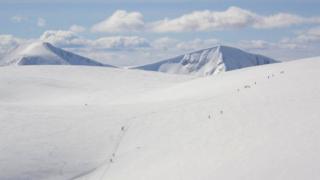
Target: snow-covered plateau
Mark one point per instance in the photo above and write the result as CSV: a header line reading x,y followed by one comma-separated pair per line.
x,y
104,123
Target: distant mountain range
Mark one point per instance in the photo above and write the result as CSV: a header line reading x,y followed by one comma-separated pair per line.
x,y
199,63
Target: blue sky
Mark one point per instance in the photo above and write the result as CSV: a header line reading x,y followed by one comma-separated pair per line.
x,y
30,19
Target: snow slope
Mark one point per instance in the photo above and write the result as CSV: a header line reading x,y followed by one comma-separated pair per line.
x,y
91,123
208,61
43,53
59,121
255,123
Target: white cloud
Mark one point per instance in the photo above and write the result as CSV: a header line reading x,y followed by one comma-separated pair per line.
x,y
70,39
265,45
285,49
63,38
308,36
77,29
121,42
205,21
18,19
255,44
120,21
123,58
165,43
231,18
314,31
306,42
41,22
197,44
8,43
279,20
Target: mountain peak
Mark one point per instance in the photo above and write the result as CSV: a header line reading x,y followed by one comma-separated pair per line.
x,y
208,61
44,53
34,48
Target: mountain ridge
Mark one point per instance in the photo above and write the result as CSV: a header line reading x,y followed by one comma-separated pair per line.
x,y
208,61
44,53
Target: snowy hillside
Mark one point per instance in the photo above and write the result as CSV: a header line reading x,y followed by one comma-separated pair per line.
x,y
57,122
208,61
43,53
92,123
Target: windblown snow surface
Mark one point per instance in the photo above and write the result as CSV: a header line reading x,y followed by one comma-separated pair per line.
x,y
43,53
208,62
91,123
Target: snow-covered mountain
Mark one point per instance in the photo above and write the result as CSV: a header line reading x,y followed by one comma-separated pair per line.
x,y
63,122
208,61
43,53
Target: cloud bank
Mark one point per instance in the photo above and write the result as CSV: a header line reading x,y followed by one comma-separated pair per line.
x,y
231,18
